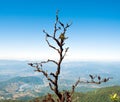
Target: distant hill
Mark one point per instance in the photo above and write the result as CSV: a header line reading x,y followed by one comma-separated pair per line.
x,y
19,81
98,95
28,80
20,87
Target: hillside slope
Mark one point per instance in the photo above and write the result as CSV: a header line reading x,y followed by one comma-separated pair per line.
x,y
99,95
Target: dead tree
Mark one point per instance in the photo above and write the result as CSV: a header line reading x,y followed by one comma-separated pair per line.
x,y
59,40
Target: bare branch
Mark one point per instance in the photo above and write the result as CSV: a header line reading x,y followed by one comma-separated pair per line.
x,y
68,25
74,86
52,46
52,61
65,52
49,61
39,69
55,26
51,86
47,35
61,24
53,74
96,80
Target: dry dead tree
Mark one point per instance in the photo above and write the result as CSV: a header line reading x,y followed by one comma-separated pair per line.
x,y
59,39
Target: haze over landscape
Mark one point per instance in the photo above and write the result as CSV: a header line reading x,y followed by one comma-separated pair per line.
x,y
93,39
19,81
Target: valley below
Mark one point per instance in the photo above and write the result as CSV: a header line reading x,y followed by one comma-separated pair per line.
x,y
19,81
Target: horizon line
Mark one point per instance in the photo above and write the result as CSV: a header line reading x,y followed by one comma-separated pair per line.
x,y
65,60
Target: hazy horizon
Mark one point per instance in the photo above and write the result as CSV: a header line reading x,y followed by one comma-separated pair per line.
x,y
93,36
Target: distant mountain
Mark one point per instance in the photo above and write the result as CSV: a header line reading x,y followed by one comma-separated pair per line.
x,y
18,80
28,80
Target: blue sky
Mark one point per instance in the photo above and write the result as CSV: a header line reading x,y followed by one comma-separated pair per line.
x,y
94,35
